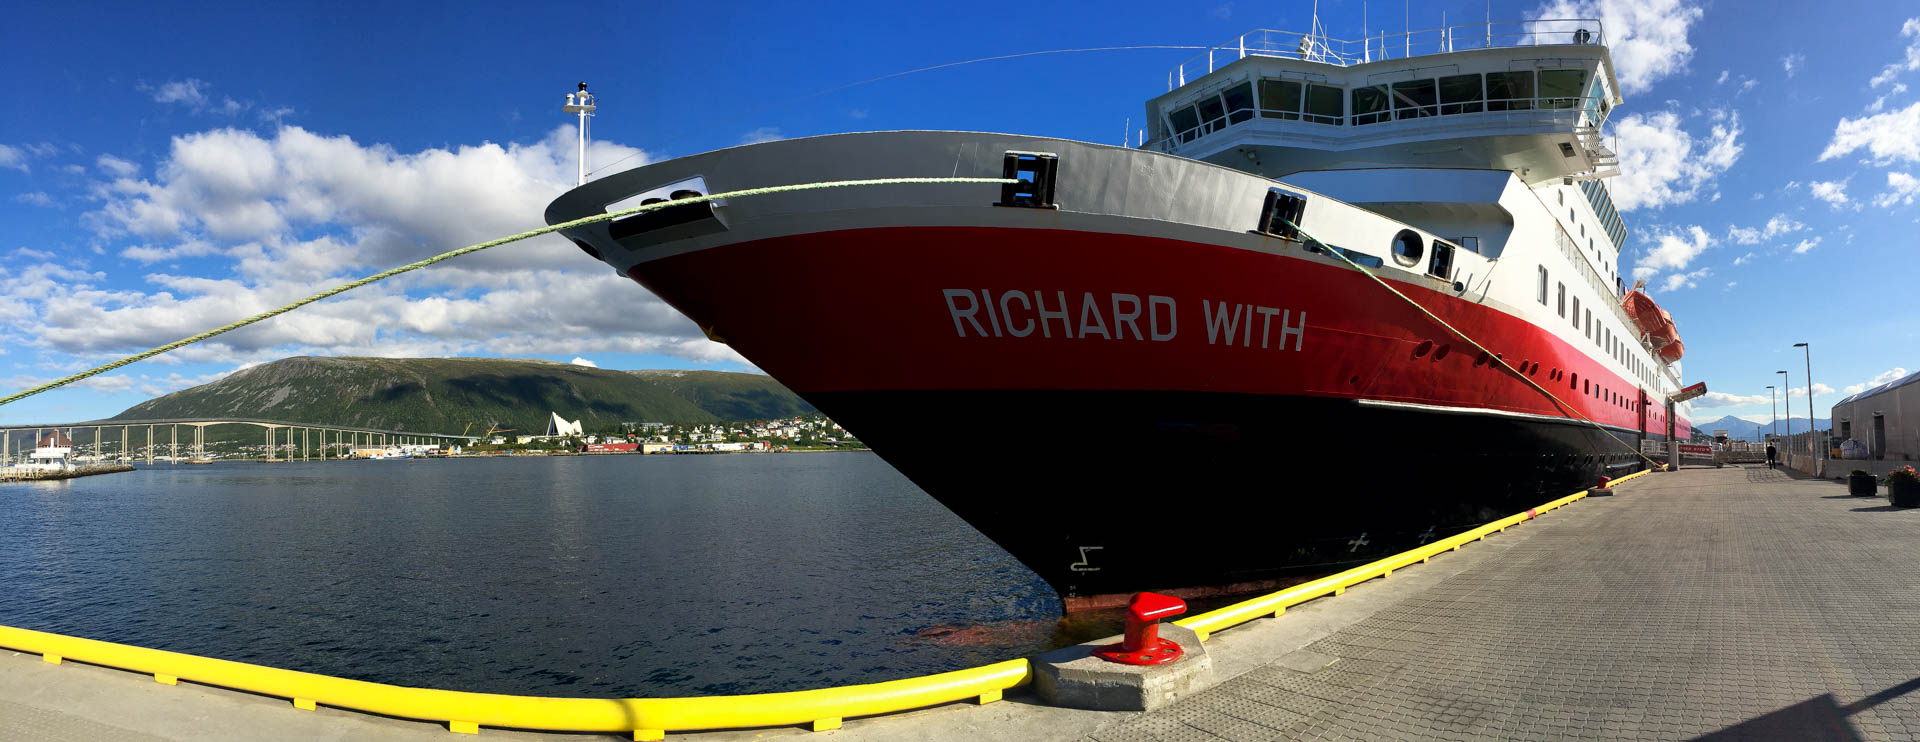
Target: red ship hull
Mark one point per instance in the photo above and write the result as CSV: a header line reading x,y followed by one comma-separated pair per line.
x,y
1078,396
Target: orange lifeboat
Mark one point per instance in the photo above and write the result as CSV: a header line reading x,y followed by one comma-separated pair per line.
x,y
1656,323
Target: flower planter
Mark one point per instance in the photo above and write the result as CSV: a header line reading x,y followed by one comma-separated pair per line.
x,y
1904,493
1863,485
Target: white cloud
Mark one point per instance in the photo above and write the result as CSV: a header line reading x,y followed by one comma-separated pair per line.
x,y
1680,281
36,198
1881,102
1780,224
193,94
28,252
274,115
1805,245
1830,191
279,217
117,167
578,361
1818,389
762,134
1673,251
1743,259
1722,80
1889,136
1661,164
1648,38
1793,62
1901,190
1884,377
1911,30
13,158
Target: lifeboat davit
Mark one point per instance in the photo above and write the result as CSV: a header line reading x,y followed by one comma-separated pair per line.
x,y
1656,323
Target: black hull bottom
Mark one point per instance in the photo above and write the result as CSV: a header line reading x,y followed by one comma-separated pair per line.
x,y
1105,493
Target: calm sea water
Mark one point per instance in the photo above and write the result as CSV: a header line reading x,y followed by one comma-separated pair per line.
x,y
574,576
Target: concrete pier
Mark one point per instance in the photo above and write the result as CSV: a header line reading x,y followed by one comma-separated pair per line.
x,y
1736,603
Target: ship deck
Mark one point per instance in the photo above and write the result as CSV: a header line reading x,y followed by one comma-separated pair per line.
x,y
1735,603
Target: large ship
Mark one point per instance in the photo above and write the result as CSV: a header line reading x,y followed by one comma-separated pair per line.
x,y
1164,365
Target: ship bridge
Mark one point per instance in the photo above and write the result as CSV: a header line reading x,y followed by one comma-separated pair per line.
x,y
1528,97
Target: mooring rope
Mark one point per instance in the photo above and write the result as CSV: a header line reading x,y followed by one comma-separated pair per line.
x,y
345,287
1494,357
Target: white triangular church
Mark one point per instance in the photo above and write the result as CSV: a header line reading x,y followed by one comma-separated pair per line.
x,y
558,426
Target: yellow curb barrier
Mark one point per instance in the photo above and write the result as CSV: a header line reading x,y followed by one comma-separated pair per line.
x,y
646,718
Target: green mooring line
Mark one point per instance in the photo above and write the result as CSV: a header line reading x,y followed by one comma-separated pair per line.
x,y
345,287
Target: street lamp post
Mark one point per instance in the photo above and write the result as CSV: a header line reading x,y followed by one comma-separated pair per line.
x,y
1773,403
1786,385
1810,425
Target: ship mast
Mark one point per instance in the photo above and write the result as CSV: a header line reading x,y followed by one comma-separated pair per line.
x,y
581,103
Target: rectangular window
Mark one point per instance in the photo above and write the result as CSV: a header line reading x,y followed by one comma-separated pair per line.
x,y
1460,94
1561,88
1370,105
1576,312
1561,292
1509,91
1239,99
1543,285
1185,122
1323,104
1590,325
1280,99
1414,99
1212,114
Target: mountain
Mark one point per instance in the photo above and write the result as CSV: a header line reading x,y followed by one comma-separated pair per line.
x,y
1744,430
443,395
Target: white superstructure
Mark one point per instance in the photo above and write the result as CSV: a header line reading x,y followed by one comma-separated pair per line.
x,y
1488,135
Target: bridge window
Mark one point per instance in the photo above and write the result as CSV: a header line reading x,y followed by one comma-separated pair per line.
x,y
1460,94
1370,105
1280,99
1186,123
1561,88
1324,104
1239,99
1414,99
1211,113
1509,91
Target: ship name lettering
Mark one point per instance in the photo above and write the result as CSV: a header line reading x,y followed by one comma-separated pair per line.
x,y
1232,324
1019,313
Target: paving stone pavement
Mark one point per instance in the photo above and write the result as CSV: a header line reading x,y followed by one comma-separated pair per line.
x,y
1724,604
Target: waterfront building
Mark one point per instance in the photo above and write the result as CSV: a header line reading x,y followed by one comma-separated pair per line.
x,y
1886,419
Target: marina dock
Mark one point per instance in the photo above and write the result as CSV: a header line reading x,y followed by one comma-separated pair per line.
x,y
1735,603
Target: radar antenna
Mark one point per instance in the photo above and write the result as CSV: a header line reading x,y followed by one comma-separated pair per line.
x,y
581,104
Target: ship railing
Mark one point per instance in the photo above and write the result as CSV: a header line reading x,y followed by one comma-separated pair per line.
x,y
1563,111
1347,52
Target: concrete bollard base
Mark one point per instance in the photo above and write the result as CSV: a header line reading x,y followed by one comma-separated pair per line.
x,y
1072,677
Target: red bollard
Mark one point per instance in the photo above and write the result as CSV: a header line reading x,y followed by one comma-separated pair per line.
x,y
1142,644
1604,481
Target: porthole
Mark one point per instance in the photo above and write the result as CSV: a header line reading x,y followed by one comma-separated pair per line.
x,y
1408,248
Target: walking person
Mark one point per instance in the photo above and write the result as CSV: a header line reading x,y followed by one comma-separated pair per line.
x,y
1772,453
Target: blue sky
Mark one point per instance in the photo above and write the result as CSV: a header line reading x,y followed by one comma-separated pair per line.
x,y
168,168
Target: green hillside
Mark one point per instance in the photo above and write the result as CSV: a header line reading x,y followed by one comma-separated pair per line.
x,y
443,395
